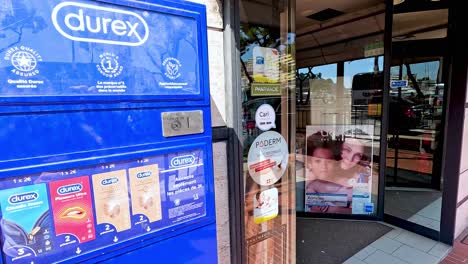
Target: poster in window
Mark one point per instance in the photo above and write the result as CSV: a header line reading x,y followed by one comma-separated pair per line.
x,y
339,169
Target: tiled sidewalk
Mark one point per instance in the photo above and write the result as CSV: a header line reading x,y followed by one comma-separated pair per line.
x,y
459,253
401,247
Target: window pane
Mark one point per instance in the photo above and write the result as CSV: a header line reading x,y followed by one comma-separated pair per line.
x,y
268,83
413,185
339,102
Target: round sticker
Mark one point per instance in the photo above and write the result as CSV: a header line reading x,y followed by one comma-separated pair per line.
x,y
268,158
265,117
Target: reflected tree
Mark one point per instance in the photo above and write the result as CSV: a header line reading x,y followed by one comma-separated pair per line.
x,y
414,81
252,36
15,17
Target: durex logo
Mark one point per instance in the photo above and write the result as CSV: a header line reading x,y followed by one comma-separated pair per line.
x,y
91,23
68,189
183,161
144,174
109,181
23,197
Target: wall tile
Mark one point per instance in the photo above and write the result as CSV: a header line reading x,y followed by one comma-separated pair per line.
x,y
414,256
414,240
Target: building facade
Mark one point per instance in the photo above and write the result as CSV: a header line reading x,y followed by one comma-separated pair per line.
x,y
317,110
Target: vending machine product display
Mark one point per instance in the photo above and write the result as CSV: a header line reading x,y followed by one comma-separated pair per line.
x,y
106,133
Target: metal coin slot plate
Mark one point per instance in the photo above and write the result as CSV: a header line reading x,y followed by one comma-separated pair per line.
x,y
182,123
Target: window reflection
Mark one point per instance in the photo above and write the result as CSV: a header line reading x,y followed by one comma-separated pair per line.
x,y
338,130
267,83
416,113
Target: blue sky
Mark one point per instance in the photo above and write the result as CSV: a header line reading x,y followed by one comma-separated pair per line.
x,y
352,68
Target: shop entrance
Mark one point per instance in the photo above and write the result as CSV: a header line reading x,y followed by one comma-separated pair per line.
x,y
357,90
414,182
378,85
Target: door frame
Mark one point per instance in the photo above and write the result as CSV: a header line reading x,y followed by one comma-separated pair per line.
x,y
456,107
379,216
454,121
455,72
450,157
234,151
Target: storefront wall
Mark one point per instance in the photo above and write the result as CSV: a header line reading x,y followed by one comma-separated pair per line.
x,y
220,115
214,10
462,198
456,152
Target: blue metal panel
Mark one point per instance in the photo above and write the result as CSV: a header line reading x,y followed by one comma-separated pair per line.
x,y
169,64
192,248
82,131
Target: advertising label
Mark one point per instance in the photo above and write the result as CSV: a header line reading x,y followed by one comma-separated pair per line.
x,y
398,83
265,89
374,49
268,158
26,222
185,186
339,183
266,65
265,117
361,198
111,201
84,48
325,199
145,192
79,210
72,210
265,205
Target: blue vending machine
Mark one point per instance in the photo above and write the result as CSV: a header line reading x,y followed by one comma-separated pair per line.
x,y
105,133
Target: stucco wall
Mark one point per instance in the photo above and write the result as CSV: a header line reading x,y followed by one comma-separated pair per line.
x,y
218,115
462,201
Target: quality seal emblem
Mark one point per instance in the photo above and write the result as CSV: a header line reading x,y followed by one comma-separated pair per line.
x,y
171,67
24,60
109,65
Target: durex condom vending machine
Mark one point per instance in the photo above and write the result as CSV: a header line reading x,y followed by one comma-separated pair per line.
x,y
105,135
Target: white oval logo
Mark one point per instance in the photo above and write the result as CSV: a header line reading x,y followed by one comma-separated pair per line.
x,y
68,189
91,23
265,117
185,160
109,181
144,174
23,197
